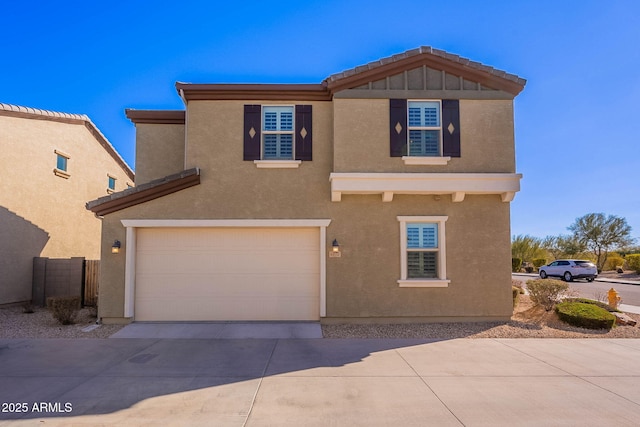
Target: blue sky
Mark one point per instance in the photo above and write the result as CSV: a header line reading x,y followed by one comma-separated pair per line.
x,y
577,120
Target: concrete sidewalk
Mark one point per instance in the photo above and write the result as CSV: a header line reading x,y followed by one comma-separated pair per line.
x,y
320,382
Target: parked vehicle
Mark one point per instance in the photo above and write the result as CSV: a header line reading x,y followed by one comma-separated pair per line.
x,y
569,269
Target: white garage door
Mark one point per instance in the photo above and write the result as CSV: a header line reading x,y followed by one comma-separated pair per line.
x,y
199,274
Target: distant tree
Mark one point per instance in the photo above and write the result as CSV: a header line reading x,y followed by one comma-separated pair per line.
x,y
600,234
526,247
563,246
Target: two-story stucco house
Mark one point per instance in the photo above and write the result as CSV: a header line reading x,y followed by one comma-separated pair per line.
x,y
51,164
379,195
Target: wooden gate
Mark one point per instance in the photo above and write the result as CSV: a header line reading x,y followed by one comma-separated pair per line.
x,y
91,278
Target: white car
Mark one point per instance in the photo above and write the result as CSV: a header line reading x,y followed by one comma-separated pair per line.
x,y
569,269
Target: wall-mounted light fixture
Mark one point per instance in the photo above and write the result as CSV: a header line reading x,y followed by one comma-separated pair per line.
x,y
335,249
115,248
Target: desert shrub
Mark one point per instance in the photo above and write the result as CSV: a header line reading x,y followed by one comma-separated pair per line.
x,y
585,315
633,262
546,292
518,284
516,263
613,261
515,293
64,309
539,262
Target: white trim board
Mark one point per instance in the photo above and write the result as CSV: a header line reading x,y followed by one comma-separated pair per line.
x,y
458,185
226,222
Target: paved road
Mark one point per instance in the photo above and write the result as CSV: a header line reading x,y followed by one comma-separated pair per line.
x,y
320,382
630,293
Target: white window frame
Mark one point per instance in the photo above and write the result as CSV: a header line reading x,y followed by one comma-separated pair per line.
x,y
291,132
425,160
441,281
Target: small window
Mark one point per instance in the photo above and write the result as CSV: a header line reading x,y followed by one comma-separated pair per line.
x,y
425,136
277,133
423,255
112,184
62,163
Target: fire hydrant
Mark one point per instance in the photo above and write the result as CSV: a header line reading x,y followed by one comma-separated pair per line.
x,y
614,298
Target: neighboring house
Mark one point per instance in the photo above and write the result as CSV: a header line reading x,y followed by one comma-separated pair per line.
x,y
51,164
379,195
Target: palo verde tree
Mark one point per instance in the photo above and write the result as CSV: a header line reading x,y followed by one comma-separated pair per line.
x,y
601,233
563,246
526,247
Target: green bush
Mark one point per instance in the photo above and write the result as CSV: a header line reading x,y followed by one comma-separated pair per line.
x,y
539,262
516,263
613,262
546,292
585,315
600,304
64,309
633,262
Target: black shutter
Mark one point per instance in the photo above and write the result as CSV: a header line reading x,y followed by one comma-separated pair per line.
x,y
304,134
451,127
252,126
398,127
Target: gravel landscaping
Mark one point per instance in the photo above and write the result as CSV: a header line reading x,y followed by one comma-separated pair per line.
x,y
527,322
14,323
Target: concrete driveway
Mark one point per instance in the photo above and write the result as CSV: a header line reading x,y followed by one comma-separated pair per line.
x,y
320,382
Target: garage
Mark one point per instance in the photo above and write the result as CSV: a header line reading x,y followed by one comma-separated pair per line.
x,y
227,273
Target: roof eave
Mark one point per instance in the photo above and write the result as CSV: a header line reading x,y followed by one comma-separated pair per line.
x,y
145,192
280,92
171,117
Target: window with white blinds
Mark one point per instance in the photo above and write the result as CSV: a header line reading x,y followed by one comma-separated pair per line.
x,y
423,254
277,133
424,128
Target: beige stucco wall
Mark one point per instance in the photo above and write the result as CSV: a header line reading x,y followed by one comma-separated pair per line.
x,y
159,151
56,205
362,284
362,138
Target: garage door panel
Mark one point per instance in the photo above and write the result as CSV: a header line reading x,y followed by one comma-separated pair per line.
x,y
227,274
195,309
233,285
194,261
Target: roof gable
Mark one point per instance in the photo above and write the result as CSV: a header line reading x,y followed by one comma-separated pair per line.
x,y
78,119
425,68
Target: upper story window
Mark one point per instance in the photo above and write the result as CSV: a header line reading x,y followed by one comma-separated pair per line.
x,y
277,133
111,184
424,132
424,128
277,136
62,161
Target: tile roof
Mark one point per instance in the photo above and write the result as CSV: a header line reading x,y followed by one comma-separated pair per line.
x,y
144,192
43,113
